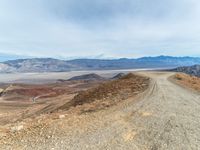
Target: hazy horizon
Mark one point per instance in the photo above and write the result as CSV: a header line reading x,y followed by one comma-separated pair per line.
x,y
99,28
7,57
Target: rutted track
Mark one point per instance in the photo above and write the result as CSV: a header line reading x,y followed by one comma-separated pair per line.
x,y
166,117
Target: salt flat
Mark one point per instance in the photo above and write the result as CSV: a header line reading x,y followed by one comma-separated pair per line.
x,y
51,77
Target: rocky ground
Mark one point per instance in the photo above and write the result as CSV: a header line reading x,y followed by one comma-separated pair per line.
x,y
19,101
27,108
164,117
109,93
191,70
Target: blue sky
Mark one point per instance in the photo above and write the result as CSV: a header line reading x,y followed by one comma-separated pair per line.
x,y
100,28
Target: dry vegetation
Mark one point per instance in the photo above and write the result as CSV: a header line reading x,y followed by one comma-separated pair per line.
x,y
188,81
109,93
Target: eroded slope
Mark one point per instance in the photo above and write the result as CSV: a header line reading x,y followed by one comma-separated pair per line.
x,y
109,93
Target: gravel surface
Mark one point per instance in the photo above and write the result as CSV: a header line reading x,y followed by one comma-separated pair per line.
x,y
165,117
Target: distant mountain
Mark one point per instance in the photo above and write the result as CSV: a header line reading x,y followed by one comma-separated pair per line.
x,y
56,65
144,62
39,65
87,77
191,70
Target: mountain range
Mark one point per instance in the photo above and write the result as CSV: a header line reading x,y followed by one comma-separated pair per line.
x,y
57,65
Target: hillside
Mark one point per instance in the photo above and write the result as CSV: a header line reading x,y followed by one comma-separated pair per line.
x,y
191,70
164,117
109,93
118,76
87,77
55,65
187,81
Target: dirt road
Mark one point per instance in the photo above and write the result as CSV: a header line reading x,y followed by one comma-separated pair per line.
x,y
166,117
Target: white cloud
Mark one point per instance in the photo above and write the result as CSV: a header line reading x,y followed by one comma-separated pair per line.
x,y
123,28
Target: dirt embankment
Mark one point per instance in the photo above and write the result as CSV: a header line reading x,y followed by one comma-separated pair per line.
x,y
109,93
187,81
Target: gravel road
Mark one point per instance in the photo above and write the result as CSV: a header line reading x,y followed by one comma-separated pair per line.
x,y
165,117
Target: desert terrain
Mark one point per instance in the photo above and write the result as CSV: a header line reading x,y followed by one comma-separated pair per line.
x,y
52,77
145,110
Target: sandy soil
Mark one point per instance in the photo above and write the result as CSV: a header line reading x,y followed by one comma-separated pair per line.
x,y
165,117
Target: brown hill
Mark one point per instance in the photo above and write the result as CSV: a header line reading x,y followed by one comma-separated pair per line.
x,y
87,77
108,93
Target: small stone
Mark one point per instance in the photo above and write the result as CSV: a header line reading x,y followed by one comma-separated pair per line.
x,y
61,116
17,128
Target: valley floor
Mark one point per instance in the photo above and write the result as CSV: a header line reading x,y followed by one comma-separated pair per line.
x,y
165,117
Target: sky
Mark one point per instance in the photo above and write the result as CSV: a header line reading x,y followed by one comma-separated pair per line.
x,y
100,28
